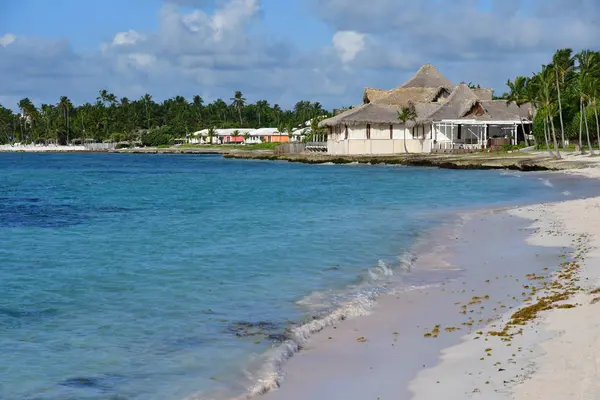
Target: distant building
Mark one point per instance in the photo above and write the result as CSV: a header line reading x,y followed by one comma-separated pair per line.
x,y
446,117
245,136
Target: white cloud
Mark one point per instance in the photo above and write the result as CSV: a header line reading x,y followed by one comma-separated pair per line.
x,y
130,37
7,39
142,59
377,43
348,44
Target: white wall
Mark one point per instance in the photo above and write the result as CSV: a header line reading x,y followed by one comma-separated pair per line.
x,y
402,140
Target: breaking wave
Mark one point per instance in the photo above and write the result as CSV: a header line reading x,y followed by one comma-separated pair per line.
x,y
354,301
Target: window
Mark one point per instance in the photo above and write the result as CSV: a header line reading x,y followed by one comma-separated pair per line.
x,y
391,131
346,132
368,131
459,136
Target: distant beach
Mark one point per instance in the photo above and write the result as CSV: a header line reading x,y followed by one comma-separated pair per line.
x,y
31,148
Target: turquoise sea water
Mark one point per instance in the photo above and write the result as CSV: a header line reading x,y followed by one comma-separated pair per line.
x,y
162,276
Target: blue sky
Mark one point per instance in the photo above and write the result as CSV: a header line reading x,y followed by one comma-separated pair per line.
x,y
279,50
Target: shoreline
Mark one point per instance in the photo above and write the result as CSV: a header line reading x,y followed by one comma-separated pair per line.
x,y
483,161
558,325
303,383
524,162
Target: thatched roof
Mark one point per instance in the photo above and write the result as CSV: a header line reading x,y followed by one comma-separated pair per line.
x,y
365,114
401,97
483,93
371,95
427,76
460,101
501,110
375,113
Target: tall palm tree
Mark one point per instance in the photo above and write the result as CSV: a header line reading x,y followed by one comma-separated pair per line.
x,y
65,106
587,66
147,99
277,112
594,93
25,105
563,63
261,108
518,95
535,96
238,102
546,88
198,103
211,134
290,129
407,114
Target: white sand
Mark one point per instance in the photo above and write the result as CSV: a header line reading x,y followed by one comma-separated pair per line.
x,y
39,148
558,355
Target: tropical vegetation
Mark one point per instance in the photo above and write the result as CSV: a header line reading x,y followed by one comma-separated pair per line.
x,y
563,98
144,120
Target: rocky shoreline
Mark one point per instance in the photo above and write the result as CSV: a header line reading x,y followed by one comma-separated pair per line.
x,y
481,161
525,162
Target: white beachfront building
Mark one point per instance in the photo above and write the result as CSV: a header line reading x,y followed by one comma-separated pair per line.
x,y
446,117
246,136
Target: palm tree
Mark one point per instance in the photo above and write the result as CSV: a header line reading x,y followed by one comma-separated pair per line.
x,y
540,92
211,134
238,102
407,113
221,109
26,107
563,63
147,99
281,128
236,134
65,106
518,95
261,108
198,103
290,129
47,110
277,112
588,68
594,93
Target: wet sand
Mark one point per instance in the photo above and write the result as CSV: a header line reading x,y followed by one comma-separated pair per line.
x,y
377,356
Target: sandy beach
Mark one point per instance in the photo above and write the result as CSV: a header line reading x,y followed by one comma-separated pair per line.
x,y
30,148
520,322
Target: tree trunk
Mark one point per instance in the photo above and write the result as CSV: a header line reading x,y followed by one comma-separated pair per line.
x,y
554,137
562,126
587,132
524,133
581,125
240,115
546,138
259,124
405,148
597,124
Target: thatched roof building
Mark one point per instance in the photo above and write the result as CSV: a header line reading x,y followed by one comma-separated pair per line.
x,y
434,97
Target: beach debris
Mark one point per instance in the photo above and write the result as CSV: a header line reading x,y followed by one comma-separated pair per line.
x,y
361,339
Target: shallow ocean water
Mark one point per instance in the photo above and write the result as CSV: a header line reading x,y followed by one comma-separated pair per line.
x,y
159,276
